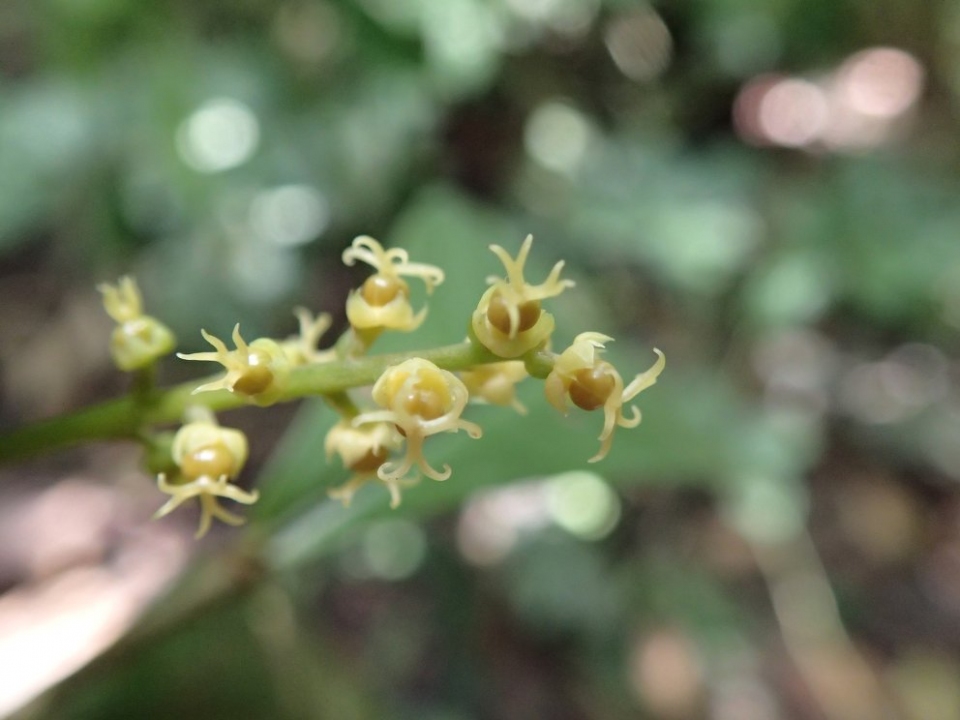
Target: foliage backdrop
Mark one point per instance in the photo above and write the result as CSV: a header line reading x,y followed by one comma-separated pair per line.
x,y
726,183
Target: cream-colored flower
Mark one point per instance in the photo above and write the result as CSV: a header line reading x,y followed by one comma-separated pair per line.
x,y
208,457
138,340
590,382
509,320
383,301
496,383
421,400
256,371
363,450
303,348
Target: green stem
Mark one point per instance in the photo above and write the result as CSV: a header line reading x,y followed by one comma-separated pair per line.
x,y
124,418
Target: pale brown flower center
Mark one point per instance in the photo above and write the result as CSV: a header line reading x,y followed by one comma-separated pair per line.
x,y
591,387
378,290
499,315
371,460
424,403
210,461
257,376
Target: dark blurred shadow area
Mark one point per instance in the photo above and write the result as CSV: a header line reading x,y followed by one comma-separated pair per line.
x,y
765,191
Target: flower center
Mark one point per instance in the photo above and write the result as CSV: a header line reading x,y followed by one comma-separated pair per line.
x,y
424,403
499,315
257,376
591,387
210,461
378,290
371,460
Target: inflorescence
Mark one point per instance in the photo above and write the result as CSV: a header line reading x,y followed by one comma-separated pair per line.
x,y
414,399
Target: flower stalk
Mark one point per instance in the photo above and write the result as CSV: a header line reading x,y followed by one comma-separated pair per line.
x,y
124,418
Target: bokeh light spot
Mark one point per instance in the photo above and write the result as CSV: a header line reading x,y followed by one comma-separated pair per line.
x,y
793,113
583,504
640,44
394,549
880,82
289,215
557,136
221,134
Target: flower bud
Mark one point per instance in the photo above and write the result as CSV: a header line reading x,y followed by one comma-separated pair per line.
x,y
496,383
138,340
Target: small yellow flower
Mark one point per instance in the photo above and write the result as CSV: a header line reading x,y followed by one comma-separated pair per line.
x,y
363,450
590,383
138,340
256,371
383,301
421,400
303,348
208,457
509,320
496,383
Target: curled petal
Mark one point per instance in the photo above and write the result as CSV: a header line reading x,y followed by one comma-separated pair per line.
x,y
392,263
645,379
632,421
375,416
472,429
237,495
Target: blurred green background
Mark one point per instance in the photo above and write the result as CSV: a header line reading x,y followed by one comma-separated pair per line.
x,y
766,190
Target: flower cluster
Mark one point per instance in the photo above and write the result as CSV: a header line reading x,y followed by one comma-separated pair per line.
x,y
413,398
207,457
138,340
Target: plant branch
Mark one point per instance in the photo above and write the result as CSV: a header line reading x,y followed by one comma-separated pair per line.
x,y
125,418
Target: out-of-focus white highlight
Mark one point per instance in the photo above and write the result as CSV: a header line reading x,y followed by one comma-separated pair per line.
x,y
666,673
793,113
583,504
880,82
640,44
388,550
859,105
84,591
289,215
570,17
493,522
221,134
557,136
897,387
